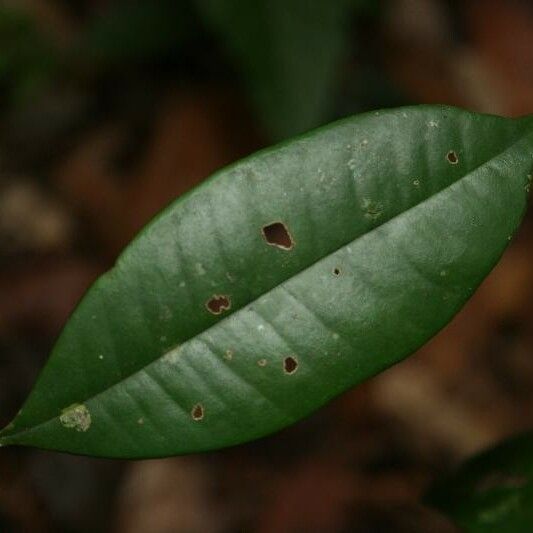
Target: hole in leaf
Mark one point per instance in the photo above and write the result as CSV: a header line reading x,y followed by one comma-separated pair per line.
x,y
452,157
197,412
218,303
277,234
336,272
290,365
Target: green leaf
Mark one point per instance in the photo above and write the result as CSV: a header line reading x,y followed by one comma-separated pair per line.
x,y
281,282
492,492
131,32
289,52
28,60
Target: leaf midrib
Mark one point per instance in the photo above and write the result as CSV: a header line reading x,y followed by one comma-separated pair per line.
x,y
10,436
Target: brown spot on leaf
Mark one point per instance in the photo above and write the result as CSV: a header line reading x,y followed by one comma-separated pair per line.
x,y
277,234
290,365
452,157
197,412
218,303
336,271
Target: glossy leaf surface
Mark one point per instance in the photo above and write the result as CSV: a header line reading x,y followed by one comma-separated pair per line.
x,y
492,492
281,282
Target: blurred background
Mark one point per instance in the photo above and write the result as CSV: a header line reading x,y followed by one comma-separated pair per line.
x,y
110,109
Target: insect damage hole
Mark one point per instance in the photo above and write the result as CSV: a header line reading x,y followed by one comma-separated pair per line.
x,y
290,365
452,157
197,412
218,303
277,234
336,271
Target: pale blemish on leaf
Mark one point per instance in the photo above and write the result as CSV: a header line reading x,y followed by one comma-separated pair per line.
x,y
373,210
77,417
262,362
200,270
352,164
172,356
228,356
433,123
140,421
165,314
416,183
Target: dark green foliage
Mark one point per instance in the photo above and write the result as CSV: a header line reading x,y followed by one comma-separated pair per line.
x,y
492,492
282,281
